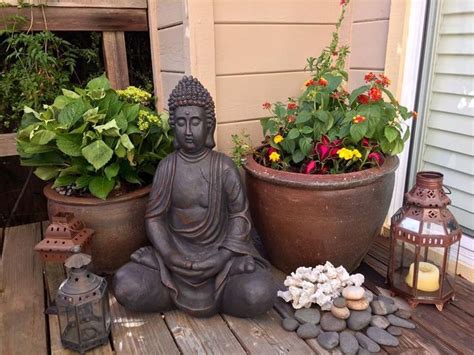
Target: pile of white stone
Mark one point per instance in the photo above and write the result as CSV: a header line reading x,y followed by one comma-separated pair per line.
x,y
319,285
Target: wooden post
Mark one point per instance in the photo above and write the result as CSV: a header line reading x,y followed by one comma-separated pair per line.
x,y
155,53
115,59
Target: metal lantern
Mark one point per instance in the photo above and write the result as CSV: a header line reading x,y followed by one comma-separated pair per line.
x,y
83,306
64,236
424,236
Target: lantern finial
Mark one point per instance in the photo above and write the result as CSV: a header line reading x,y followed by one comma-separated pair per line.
x,y
78,261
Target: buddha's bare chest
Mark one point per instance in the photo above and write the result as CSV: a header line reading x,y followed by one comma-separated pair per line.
x,y
191,185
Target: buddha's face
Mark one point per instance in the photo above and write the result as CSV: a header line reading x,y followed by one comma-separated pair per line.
x,y
191,128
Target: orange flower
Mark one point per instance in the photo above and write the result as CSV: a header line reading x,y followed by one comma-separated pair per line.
x,y
323,82
375,94
266,105
369,77
292,106
309,82
291,118
358,119
414,114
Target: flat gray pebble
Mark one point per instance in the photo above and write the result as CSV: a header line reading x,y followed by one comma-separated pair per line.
x,y
382,308
369,295
308,331
290,324
379,321
339,302
358,320
330,323
348,343
382,337
308,315
328,340
397,331
400,322
403,313
362,351
386,299
366,343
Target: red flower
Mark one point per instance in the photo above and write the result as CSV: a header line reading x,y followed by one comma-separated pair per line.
x,y
310,82
342,2
375,94
310,167
292,106
266,105
369,77
323,82
271,150
377,157
384,80
358,119
291,118
365,142
363,99
327,149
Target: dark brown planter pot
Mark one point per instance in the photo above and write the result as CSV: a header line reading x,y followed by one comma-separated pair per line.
x,y
119,224
305,220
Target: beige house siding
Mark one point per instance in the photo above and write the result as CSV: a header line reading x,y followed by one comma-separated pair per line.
x,y
260,50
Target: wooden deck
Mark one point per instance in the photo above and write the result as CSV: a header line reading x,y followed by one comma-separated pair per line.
x,y
26,329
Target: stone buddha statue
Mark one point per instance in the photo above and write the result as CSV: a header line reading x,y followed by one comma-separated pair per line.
x,y
201,259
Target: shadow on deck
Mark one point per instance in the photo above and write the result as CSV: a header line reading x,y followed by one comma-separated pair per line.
x,y
25,329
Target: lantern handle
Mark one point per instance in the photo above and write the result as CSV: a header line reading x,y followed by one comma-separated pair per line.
x,y
447,188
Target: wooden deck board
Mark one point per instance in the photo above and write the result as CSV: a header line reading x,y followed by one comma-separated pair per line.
x,y
23,322
202,335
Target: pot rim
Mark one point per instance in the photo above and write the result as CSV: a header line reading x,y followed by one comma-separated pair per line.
x,y
52,195
320,182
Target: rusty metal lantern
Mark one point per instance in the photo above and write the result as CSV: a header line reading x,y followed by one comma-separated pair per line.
x,y
83,306
65,236
424,236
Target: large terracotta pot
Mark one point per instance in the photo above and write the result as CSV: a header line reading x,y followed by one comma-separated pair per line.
x,y
305,220
119,224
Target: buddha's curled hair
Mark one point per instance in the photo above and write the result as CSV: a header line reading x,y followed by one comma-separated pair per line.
x,y
190,92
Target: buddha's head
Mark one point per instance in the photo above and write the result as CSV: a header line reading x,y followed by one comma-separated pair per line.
x,y
192,116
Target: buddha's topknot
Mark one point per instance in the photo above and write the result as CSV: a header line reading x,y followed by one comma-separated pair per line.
x,y
190,92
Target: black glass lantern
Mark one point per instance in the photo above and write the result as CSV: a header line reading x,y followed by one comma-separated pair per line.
x,y
83,306
424,248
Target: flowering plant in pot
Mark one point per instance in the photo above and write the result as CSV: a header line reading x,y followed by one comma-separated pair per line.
x,y
333,155
101,147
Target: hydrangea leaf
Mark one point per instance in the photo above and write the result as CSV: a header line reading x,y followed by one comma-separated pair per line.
x,y
97,153
100,186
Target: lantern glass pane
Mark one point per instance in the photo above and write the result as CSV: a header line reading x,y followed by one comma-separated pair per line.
x,y
410,224
106,308
403,258
91,324
68,323
430,228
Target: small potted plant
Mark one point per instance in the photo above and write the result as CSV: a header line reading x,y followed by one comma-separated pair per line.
x,y
321,183
101,148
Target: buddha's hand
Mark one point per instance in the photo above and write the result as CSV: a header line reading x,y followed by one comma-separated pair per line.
x,y
178,264
213,264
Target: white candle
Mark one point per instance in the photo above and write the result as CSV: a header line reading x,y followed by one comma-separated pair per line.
x,y
428,277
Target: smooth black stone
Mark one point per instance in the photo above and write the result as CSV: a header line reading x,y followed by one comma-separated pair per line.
x,y
403,313
290,324
348,343
400,322
328,340
382,337
330,323
397,331
358,320
379,321
308,315
363,351
386,299
339,302
308,331
382,308
366,343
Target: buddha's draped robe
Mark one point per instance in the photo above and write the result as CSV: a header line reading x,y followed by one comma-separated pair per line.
x,y
225,225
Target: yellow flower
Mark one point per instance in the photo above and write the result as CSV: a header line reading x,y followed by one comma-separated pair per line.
x,y
278,138
345,153
274,157
135,94
357,154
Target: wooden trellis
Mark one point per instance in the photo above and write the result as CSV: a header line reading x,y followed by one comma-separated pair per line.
x,y
111,17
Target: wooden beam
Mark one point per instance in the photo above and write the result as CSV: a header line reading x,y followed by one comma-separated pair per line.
x,y
155,54
129,4
7,144
115,59
80,19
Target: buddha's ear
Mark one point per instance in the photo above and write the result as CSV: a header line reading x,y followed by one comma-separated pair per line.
x,y
210,143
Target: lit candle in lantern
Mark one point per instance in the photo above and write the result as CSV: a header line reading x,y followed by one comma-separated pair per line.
x,y
428,277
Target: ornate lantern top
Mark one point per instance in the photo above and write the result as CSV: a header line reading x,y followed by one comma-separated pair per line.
x,y
428,190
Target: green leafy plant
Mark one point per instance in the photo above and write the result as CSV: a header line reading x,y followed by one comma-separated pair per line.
x,y
95,138
328,130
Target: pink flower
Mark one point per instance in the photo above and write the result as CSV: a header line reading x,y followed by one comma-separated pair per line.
x,y
377,157
365,142
310,167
